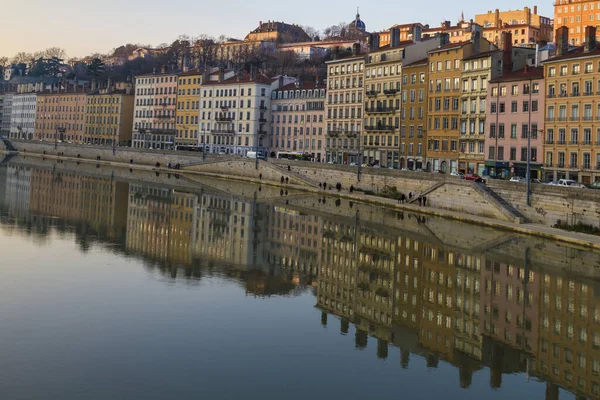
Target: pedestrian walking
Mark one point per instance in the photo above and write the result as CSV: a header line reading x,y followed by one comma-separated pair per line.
x,y
409,196
424,201
402,198
420,201
282,179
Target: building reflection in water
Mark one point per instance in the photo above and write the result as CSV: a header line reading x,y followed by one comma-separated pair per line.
x,y
513,305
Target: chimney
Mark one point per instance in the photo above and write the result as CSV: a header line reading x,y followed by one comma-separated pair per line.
x,y
525,68
527,15
590,38
562,41
416,33
497,18
476,42
154,70
506,52
444,39
163,69
394,37
356,49
373,41
535,10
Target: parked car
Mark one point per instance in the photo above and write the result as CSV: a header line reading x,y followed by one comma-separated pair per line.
x,y
376,166
419,170
364,165
473,177
518,179
551,183
594,185
565,182
578,185
535,180
456,173
404,169
353,164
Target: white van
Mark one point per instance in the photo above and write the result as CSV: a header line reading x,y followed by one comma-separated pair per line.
x,y
254,154
565,182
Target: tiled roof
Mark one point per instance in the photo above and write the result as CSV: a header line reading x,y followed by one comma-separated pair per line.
x,y
303,86
389,46
244,78
531,73
450,46
577,52
415,63
482,54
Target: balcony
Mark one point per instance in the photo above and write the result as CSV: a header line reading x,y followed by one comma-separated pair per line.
x,y
262,120
225,131
334,133
575,94
391,92
549,119
560,165
549,141
587,117
562,119
380,128
263,108
565,94
561,141
379,110
371,93
550,95
586,143
573,142
574,119
261,132
548,165
224,119
590,93
573,166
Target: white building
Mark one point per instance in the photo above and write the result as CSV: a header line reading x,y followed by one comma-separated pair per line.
x,y
22,117
6,114
154,110
234,113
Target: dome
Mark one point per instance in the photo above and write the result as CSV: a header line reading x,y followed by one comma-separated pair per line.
x,y
358,23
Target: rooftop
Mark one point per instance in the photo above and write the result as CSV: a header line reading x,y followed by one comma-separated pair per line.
x,y
576,52
523,74
310,85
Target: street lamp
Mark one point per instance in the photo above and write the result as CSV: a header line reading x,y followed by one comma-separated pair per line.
x,y
114,143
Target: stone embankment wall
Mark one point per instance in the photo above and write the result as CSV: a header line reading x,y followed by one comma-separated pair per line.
x,y
549,204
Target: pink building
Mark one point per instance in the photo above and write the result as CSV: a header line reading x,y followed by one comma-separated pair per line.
x,y
515,109
298,121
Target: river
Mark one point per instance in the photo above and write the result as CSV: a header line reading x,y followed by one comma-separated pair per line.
x,y
121,284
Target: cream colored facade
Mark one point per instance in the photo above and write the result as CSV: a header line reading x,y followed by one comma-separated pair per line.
x,y
109,117
344,109
61,116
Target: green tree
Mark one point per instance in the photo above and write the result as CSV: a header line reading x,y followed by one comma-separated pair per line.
x,y
95,68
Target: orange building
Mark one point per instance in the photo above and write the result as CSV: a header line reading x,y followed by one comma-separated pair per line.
x,y
576,15
61,114
526,27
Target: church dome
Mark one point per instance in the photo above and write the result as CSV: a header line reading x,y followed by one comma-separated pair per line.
x,y
358,23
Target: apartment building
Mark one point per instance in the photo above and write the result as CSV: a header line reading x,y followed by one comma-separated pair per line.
x,y
61,116
344,108
188,108
576,16
445,74
109,116
298,120
572,135
526,27
234,112
6,114
154,110
515,115
22,117
413,140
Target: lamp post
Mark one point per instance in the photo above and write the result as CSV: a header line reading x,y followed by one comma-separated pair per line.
x,y
114,143
358,158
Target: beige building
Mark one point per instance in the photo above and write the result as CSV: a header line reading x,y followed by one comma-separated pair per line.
x,y
344,108
109,116
526,27
298,121
61,115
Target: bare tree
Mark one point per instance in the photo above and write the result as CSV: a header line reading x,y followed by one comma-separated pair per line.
x,y
56,52
312,32
22,58
204,50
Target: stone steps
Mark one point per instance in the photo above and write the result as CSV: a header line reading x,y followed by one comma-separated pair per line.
x,y
499,203
425,192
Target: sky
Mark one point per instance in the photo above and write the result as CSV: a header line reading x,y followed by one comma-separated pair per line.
x,y
87,27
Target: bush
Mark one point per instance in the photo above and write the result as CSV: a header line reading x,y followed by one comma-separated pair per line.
x,y
579,227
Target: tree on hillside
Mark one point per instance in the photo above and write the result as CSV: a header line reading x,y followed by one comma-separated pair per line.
x,y
54,52
22,58
95,68
312,32
204,50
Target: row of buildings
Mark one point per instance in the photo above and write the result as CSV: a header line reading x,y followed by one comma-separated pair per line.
x,y
492,304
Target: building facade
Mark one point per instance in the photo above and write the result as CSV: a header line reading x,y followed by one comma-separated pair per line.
x,y
109,117
298,121
188,108
154,111
572,135
445,74
6,114
516,103
413,140
344,108
527,27
234,113
22,117
576,16
61,117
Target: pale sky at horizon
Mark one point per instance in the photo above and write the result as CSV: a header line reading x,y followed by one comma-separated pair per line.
x,y
70,24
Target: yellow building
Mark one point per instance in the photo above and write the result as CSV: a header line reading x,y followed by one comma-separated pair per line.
x,y
572,143
188,103
60,115
109,117
445,68
413,140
